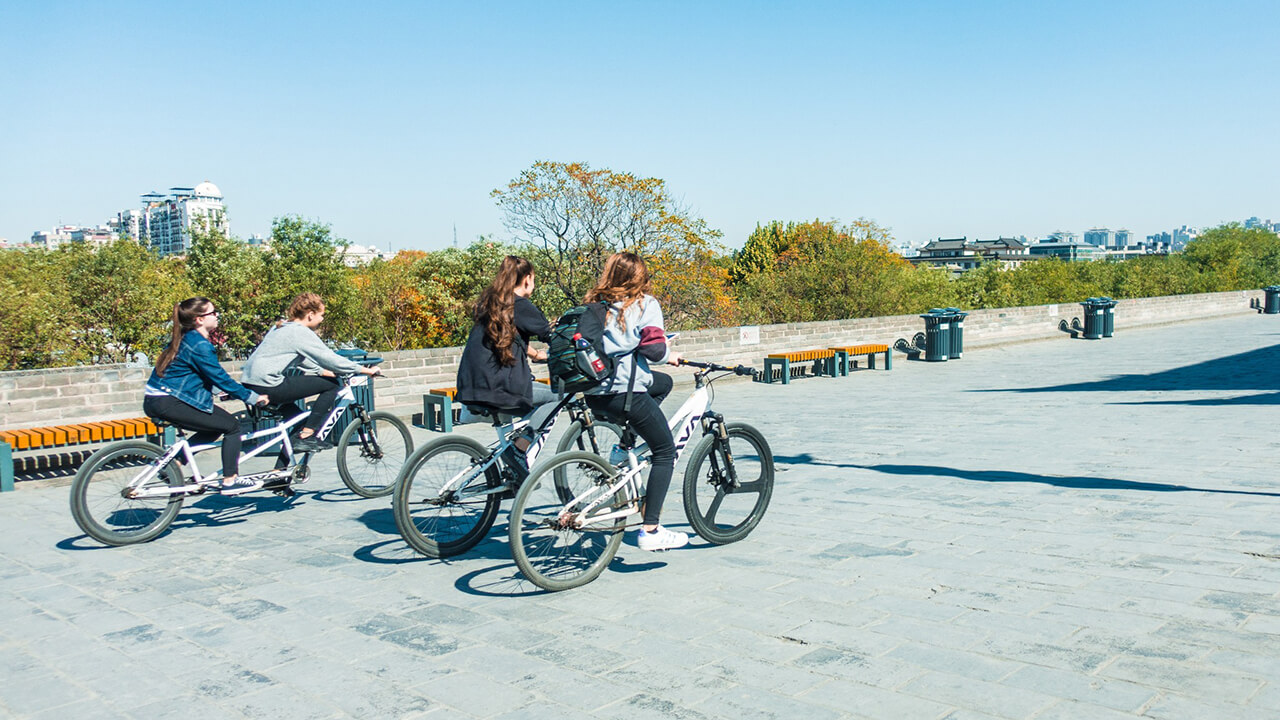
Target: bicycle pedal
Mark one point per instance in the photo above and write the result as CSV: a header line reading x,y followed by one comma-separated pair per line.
x,y
284,491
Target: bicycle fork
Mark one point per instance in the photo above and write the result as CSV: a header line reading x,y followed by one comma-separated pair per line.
x,y
726,477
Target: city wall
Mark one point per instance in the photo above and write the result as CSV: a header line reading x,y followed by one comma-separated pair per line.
x,y
81,394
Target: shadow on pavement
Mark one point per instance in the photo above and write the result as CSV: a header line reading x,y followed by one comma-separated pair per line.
x,y
209,511
1080,482
1251,370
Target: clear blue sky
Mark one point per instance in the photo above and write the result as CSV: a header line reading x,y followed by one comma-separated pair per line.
x,y
393,120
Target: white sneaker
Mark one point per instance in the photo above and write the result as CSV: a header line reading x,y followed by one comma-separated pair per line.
x,y
661,539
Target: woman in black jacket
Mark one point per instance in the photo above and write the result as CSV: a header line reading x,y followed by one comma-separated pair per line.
x,y
494,372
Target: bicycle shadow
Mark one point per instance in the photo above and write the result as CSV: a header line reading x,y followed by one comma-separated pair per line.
x,y
208,511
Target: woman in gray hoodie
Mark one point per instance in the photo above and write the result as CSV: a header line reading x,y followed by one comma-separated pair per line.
x,y
294,343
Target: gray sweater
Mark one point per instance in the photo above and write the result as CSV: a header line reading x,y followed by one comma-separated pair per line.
x,y
292,344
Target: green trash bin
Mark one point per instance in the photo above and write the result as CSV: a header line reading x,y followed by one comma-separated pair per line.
x,y
1108,316
937,335
957,332
1272,306
362,393
1094,313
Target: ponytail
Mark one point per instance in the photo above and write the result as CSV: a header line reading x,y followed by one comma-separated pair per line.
x,y
184,320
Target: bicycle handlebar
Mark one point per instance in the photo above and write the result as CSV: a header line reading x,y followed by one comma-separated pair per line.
x,y
736,370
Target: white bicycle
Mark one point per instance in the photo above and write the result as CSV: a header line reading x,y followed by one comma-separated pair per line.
x,y
569,516
448,494
131,491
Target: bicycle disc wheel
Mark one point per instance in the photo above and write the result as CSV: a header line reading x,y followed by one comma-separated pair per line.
x,y
724,506
440,523
98,501
371,455
598,439
555,544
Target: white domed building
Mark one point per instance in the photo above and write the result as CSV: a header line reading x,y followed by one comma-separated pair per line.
x,y
168,218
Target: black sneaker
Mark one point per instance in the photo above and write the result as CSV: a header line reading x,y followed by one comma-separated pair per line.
x,y
514,460
309,444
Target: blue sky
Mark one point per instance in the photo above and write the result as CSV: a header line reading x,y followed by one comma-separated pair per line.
x,y
394,120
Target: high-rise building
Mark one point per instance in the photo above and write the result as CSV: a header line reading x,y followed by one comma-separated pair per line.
x,y
1122,238
166,220
1098,237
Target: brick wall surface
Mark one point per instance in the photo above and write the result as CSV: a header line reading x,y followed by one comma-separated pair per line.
x,y
80,394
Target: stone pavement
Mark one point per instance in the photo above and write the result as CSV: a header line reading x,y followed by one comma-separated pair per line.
x,y
1060,529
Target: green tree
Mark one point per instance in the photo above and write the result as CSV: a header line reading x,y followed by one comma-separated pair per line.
x,y
306,257
122,298
36,328
232,274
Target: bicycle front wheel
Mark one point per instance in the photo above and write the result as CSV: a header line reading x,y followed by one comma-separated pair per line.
x,y
101,503
728,483
560,545
444,503
371,454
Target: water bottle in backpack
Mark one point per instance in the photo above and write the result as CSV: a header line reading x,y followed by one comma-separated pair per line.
x,y
587,356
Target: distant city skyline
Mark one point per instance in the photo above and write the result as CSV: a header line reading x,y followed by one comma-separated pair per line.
x,y
393,123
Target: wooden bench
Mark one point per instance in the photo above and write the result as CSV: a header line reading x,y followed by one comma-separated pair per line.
x,y
60,436
844,354
439,411
823,363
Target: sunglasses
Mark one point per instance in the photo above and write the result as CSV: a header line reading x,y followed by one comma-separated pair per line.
x,y
211,312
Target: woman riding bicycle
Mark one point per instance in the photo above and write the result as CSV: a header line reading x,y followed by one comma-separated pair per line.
x,y
635,335
494,371
180,389
293,343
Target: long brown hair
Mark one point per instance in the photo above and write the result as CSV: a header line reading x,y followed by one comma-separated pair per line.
x,y
184,320
625,280
496,307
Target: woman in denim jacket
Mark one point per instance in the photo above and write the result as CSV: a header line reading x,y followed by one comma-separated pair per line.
x,y
180,389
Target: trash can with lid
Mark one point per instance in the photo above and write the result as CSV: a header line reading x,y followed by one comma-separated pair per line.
x,y
1093,318
363,393
937,335
1272,306
1108,316
957,332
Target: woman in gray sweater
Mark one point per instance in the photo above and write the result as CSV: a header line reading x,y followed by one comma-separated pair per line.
x,y
294,343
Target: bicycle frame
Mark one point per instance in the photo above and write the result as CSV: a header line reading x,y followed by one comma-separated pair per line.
x,y
279,435
505,434
682,424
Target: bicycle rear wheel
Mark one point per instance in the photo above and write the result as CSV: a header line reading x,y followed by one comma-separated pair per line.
x,y
597,438
438,522
371,454
727,484
554,543
99,504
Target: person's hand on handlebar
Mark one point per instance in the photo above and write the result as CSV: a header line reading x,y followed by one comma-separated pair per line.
x,y
536,355
263,400
675,358
371,371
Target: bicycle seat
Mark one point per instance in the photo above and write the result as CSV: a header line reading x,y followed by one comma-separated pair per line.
x,y
260,413
498,416
159,422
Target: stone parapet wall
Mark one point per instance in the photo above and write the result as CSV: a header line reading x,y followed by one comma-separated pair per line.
x,y
82,394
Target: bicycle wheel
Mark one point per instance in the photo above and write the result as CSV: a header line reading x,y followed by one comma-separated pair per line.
x,y
371,454
100,507
597,439
555,544
724,503
439,523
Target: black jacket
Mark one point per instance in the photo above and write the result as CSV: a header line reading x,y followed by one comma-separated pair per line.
x,y
483,380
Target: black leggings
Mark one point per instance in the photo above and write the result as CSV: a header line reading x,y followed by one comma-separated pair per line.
x,y
297,387
649,423
207,427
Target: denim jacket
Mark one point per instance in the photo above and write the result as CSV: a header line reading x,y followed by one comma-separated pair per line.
x,y
194,371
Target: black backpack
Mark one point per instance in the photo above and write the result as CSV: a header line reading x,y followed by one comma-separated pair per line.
x,y
573,371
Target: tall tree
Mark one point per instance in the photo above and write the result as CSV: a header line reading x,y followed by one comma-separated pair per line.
x,y
576,217
232,274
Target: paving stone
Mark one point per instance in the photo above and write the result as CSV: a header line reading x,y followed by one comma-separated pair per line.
x,y
1099,538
